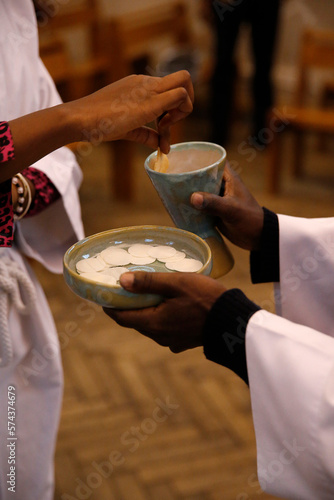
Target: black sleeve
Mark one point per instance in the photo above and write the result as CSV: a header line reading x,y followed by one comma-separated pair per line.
x,y
225,330
265,262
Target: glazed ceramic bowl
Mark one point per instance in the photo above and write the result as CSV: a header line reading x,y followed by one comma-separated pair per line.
x,y
115,296
175,190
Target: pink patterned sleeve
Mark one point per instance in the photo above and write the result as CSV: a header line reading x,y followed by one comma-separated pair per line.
x,y
6,206
6,143
45,191
45,194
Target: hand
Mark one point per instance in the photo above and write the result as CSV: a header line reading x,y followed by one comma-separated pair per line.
x,y
240,215
121,110
178,321
118,111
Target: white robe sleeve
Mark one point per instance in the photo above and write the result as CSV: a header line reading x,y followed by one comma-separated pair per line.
x,y
46,236
307,272
290,365
291,379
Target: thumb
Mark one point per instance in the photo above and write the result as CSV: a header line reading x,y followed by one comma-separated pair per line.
x,y
146,282
211,203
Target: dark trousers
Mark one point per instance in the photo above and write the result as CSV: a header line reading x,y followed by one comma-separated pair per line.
x,y
263,18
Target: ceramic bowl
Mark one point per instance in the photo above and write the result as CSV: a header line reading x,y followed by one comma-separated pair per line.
x,y
115,296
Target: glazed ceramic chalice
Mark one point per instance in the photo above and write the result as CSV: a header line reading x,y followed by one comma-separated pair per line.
x,y
193,166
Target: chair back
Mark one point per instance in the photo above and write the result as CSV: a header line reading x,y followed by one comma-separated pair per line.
x,y
73,13
317,52
84,70
133,36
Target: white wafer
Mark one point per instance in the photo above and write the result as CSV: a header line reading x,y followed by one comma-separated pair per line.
x,y
97,263
91,264
142,261
162,252
116,256
162,162
139,250
115,272
175,258
185,266
83,266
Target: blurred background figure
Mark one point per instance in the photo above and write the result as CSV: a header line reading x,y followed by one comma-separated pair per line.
x,y
226,17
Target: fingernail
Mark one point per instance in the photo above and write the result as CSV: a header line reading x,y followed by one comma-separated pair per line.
x,y
197,200
127,280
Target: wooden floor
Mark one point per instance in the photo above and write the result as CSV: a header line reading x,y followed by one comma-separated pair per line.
x,y
141,423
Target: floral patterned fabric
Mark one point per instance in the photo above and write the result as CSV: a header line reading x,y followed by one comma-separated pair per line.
x,y
46,193
6,207
6,143
6,214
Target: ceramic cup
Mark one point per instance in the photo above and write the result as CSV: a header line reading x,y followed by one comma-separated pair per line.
x,y
175,190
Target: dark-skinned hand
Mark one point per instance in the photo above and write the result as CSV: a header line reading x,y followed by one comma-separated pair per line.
x,y
178,321
240,217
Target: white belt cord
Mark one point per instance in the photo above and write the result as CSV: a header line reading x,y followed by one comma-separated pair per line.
x,y
12,278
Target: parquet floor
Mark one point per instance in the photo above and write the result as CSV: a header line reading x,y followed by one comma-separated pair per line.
x,y
138,422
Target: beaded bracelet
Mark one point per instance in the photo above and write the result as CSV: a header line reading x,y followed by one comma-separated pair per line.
x,y
24,197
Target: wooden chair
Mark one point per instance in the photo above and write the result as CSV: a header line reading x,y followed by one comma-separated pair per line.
x,y
326,101
129,37
76,78
317,52
134,35
116,44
